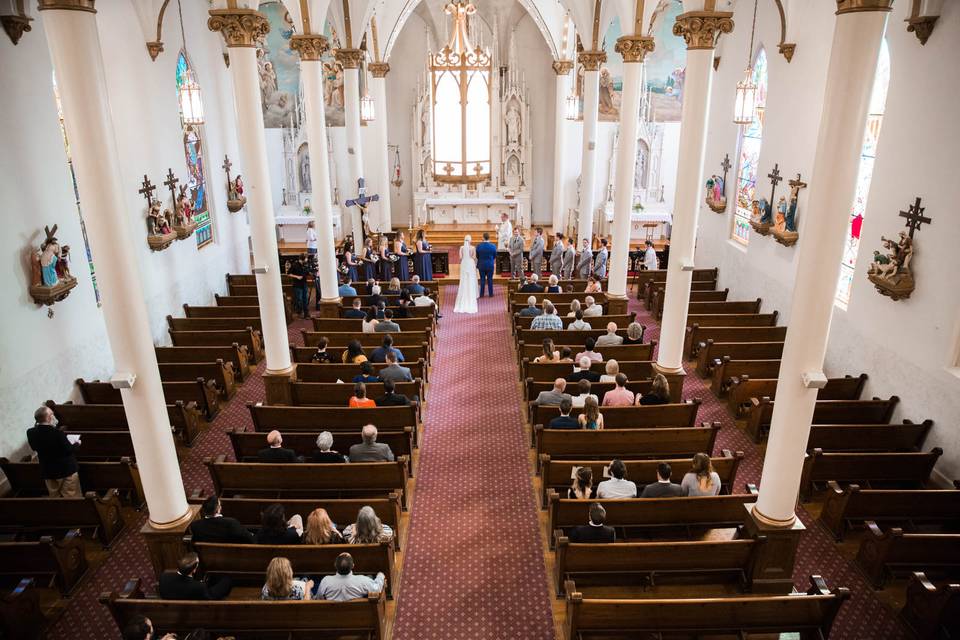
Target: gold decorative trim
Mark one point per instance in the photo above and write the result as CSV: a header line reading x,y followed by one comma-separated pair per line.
x,y
773,522
68,5
310,46
857,6
922,26
562,67
154,49
787,49
173,524
784,47
239,27
591,60
634,48
349,58
702,29
379,69
15,26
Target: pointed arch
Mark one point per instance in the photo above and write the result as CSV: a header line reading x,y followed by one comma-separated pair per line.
x,y
748,144
193,149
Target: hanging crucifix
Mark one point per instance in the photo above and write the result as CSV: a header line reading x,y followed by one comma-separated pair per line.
x,y
361,202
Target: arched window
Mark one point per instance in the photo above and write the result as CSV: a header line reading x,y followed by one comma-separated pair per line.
x,y
193,150
751,137
868,152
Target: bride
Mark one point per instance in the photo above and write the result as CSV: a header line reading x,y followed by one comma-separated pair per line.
x,y
468,290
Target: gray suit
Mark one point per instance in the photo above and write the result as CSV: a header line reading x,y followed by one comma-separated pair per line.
x,y
550,398
600,264
662,490
387,326
376,452
536,254
516,256
568,257
583,267
556,258
396,373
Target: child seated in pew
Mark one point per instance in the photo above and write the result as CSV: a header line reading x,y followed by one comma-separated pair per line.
x,y
583,395
659,392
566,354
366,374
582,487
281,585
359,398
701,480
321,355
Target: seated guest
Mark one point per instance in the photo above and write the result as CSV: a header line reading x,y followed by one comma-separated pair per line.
x,y
387,325
366,375
610,338
353,354
324,451
370,321
588,351
321,355
701,480
381,308
617,486
367,529
380,353
141,628
320,530
423,300
659,392
532,285
402,309
583,392
344,585
574,307
415,287
58,462
359,399
578,324
590,418
584,372
346,289
564,421
634,333
375,298
662,488
390,396
553,285
619,396
549,353
612,368
281,585
548,320
370,450
566,355
596,531
582,487
568,288
275,451
393,371
591,309
183,584
393,288
213,527
553,397
276,529
531,310
593,285
355,310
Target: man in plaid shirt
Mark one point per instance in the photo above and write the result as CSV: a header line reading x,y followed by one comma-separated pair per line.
x,y
548,319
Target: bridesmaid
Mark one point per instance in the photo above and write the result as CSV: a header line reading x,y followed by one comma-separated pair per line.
x,y
348,259
369,266
384,265
423,264
402,268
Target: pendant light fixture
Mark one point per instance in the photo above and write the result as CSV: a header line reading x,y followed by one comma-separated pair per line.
x,y
367,111
573,100
191,102
745,107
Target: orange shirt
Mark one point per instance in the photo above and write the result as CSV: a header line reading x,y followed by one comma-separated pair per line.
x,y
362,402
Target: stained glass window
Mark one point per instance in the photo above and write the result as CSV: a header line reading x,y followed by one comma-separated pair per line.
x,y
751,137
193,150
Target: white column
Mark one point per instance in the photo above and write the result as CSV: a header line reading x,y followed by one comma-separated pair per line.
x,y
350,59
850,74
311,47
378,91
71,34
241,28
700,31
591,61
562,69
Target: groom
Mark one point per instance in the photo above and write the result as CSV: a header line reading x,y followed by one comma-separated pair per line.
x,y
486,261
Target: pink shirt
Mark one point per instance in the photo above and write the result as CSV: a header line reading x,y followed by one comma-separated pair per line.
x,y
619,397
593,355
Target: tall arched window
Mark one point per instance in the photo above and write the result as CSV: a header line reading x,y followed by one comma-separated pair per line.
x,y
193,150
751,137
461,104
871,135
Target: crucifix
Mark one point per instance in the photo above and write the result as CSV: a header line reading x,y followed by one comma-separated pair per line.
x,y
796,184
775,179
226,166
147,190
171,183
914,216
361,202
726,167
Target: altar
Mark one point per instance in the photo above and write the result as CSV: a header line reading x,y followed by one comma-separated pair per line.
x,y
662,218
292,226
456,208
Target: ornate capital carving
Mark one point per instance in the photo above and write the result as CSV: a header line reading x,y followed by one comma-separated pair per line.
x,y
591,60
239,27
154,49
856,6
379,69
921,25
349,58
702,29
634,48
15,26
68,5
787,49
562,67
310,46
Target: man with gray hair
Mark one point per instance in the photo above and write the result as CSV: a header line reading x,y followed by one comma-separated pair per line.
x,y
324,452
553,397
591,309
584,371
370,450
55,453
548,320
415,288
531,310
610,338
275,451
532,285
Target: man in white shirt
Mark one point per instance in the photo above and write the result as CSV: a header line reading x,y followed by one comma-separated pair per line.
x,y
579,324
344,585
504,231
591,309
617,486
610,338
583,392
650,256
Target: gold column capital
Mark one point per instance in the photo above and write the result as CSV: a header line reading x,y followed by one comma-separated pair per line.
x,y
239,27
379,69
857,6
562,67
702,29
310,46
634,48
591,60
349,58
68,5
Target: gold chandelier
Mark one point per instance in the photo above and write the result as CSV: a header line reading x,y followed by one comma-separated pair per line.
x,y
745,106
459,52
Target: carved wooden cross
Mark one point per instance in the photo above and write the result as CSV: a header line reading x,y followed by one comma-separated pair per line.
x,y
147,191
798,183
726,167
914,216
362,199
775,179
171,183
226,166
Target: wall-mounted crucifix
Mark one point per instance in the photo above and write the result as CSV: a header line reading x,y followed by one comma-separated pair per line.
x,y
726,167
361,202
146,190
171,183
775,179
914,216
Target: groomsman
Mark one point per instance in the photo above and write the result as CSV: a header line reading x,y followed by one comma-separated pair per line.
x,y
536,251
515,247
556,256
569,254
600,261
586,256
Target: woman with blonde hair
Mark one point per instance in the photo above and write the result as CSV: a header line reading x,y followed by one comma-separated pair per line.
x,y
612,368
582,487
394,287
549,354
320,529
574,307
701,480
553,285
591,418
634,333
281,585
367,529
659,392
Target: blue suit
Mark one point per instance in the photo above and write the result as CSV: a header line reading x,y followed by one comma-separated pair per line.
x,y
486,263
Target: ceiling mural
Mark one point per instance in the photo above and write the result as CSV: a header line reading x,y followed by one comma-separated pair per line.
x,y
279,67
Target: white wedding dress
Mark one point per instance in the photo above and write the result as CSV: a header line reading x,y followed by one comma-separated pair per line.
x,y
469,288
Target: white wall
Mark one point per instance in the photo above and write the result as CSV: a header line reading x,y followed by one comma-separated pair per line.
x,y
903,346
40,357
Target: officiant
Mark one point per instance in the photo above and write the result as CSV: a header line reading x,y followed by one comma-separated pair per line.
x,y
504,233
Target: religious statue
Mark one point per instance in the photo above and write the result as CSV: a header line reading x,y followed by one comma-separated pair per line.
x,y
607,106
50,278
716,199
235,197
762,217
512,121
785,230
159,233
890,272
183,223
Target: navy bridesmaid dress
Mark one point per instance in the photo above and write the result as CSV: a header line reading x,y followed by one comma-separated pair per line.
x,y
403,264
369,268
385,267
424,266
351,268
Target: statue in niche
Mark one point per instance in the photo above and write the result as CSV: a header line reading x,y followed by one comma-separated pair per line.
x,y
235,197
50,277
641,167
513,166
513,125
716,199
305,183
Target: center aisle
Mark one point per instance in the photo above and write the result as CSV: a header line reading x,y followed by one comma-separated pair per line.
x,y
473,565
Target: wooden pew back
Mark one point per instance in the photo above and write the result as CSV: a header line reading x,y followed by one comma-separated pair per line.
x,y
869,437
317,419
626,352
246,444
248,338
46,514
307,372
368,340
891,552
62,561
355,325
907,468
696,334
123,475
875,411
665,415
661,442
855,505
234,353
199,391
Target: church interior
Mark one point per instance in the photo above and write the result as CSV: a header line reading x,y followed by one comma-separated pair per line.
x,y
712,391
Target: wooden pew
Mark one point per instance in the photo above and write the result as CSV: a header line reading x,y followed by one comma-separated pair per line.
x,y
103,446
640,563
642,370
238,356
725,370
733,319
202,392
21,617
219,372
359,479
184,418
564,336
389,300
251,289
100,477
251,301
579,284
728,306
931,611
658,295
333,394
246,563
744,388
888,553
710,353
196,311
355,325
853,506
626,352
907,436
431,286
532,388
905,469
811,615
561,298
410,352
557,475
642,278
214,324
412,311
646,293
875,411
696,335
564,309
659,442
332,372
248,338
251,618
683,414
250,279
597,322
246,444
58,562
317,419
368,340
47,515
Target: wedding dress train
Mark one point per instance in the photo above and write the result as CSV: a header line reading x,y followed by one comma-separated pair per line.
x,y
469,290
